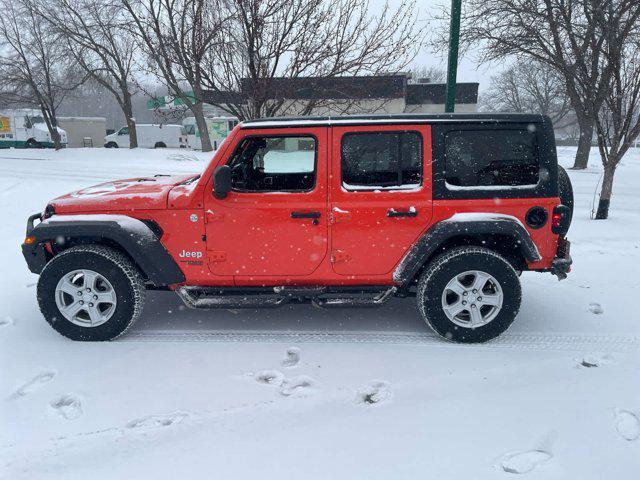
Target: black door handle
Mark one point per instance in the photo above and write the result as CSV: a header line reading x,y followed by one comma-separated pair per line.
x,y
314,215
412,212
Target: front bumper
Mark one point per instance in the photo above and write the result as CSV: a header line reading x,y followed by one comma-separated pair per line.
x,y
561,265
34,254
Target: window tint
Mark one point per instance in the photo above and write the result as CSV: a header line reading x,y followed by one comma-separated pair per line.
x,y
381,160
271,164
124,131
491,158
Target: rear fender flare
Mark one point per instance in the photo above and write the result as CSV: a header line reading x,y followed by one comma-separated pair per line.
x,y
463,225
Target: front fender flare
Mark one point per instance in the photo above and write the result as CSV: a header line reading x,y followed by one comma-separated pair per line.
x,y
463,225
130,234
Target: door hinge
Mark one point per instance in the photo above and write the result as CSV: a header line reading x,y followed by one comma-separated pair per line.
x,y
211,216
338,215
338,256
217,256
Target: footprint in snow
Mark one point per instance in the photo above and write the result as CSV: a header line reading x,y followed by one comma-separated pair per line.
x,y
627,425
34,383
596,308
374,393
299,386
162,420
6,321
270,377
592,361
293,357
525,461
67,406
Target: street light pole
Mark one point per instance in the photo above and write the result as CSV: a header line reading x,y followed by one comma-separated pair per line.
x,y
452,67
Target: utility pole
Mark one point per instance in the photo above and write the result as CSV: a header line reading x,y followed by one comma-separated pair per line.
x,y
452,67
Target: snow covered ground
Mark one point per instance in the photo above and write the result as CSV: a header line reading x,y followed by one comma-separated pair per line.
x,y
306,393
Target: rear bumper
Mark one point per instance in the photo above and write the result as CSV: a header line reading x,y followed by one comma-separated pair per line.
x,y
561,264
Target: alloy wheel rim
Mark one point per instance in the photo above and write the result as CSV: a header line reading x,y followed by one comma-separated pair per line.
x,y
472,299
85,298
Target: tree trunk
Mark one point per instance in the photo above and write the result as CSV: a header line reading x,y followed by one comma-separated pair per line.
x,y
605,193
52,125
127,109
201,122
55,136
584,144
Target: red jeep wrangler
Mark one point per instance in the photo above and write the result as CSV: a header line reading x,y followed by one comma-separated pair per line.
x,y
337,211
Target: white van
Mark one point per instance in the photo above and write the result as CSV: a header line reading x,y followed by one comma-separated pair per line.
x,y
219,128
150,136
25,128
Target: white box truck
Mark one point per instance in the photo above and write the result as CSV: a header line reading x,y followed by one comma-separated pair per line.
x,y
219,128
150,136
25,128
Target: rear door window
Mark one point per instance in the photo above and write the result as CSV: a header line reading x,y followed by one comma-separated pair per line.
x,y
491,158
381,160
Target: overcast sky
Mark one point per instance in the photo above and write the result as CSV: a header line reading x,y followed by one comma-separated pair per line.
x,y
468,69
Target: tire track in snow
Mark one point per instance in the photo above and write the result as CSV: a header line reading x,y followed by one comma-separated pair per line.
x,y
534,341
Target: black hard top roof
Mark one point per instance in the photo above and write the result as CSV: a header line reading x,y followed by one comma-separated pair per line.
x,y
394,118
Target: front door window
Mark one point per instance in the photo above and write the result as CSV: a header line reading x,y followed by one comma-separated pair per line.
x,y
274,164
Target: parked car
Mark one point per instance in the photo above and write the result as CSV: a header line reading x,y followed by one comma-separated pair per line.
x,y
25,128
346,211
219,128
150,136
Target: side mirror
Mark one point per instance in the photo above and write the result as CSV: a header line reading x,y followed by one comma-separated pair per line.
x,y
222,182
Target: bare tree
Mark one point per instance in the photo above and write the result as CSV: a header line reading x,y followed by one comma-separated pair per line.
x,y
423,72
176,37
528,87
618,125
262,41
100,43
568,35
34,65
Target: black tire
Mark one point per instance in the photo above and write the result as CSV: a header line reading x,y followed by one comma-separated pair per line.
x,y
118,269
444,268
160,145
565,190
111,145
31,143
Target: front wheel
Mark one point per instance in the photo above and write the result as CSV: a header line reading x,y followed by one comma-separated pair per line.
x,y
91,293
469,295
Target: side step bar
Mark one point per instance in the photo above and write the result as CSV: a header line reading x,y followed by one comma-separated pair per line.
x,y
261,297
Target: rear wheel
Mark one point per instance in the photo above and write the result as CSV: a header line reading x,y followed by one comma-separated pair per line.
x,y
111,145
31,143
469,295
160,145
91,293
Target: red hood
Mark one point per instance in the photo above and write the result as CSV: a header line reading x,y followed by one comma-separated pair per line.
x,y
146,193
